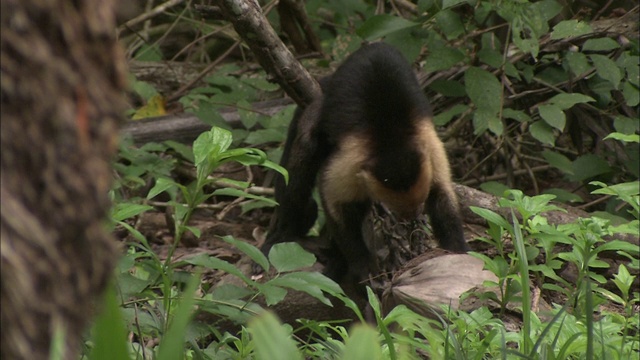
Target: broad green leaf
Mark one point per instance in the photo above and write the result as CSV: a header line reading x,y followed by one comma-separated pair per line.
x,y
129,285
212,262
490,118
563,195
601,44
362,344
445,117
553,116
299,284
578,62
272,339
162,184
493,217
568,28
629,188
517,115
253,252
272,294
317,279
631,94
290,256
143,88
528,43
494,187
381,25
449,23
182,149
607,69
542,132
211,144
588,166
109,331
248,117
626,125
442,58
490,57
632,64
558,161
483,89
448,88
566,101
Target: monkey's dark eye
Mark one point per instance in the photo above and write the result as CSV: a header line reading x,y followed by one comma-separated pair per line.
x,y
385,180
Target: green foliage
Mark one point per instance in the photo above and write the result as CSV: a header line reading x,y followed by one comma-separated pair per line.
x,y
520,84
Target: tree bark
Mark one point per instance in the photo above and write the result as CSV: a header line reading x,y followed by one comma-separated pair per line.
x,y
272,54
62,80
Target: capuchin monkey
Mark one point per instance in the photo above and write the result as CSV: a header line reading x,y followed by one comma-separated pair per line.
x,y
369,138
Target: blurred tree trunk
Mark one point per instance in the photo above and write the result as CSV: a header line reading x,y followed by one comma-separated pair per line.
x,y
61,82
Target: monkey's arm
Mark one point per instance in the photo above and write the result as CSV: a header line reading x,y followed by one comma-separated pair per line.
x,y
303,156
442,204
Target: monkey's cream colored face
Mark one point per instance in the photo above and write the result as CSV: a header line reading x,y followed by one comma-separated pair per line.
x,y
408,204
345,180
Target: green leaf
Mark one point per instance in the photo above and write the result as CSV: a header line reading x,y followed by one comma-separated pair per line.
x,y
558,161
630,63
578,62
272,340
449,23
607,69
628,188
123,211
162,184
568,28
213,263
543,133
588,166
253,252
626,125
489,119
449,88
211,144
631,94
493,217
601,44
445,117
494,187
517,115
362,344
172,343
450,3
563,195
442,58
292,281
380,25
624,137
109,332
182,149
241,194
483,89
566,101
143,89
553,116
290,256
